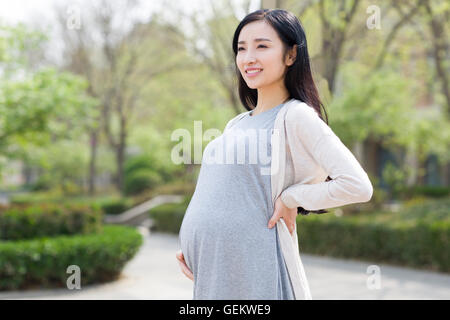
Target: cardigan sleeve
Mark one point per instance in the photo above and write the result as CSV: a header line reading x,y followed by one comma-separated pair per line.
x,y
350,182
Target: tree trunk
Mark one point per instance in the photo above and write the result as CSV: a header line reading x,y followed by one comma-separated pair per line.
x,y
120,155
439,52
92,162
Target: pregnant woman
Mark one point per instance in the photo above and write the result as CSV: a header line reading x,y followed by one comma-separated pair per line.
x,y
229,247
224,234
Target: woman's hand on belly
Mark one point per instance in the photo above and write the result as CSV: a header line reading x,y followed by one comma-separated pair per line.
x,y
184,268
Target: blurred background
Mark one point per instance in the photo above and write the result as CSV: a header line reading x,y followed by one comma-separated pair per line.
x,y
92,91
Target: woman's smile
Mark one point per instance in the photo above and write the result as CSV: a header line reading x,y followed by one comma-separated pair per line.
x,y
253,72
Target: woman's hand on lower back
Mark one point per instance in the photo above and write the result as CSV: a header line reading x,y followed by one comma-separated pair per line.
x,y
281,211
184,268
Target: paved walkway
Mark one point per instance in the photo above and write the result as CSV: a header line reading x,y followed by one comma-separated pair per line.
x,y
154,274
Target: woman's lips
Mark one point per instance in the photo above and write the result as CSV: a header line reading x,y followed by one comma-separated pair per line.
x,y
253,73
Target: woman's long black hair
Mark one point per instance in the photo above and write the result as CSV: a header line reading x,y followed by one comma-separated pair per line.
x,y
298,80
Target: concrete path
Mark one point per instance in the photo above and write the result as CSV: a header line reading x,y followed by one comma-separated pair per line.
x,y
154,274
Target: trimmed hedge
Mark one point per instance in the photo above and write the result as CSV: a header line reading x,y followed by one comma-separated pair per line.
x,y
44,261
422,245
428,191
425,210
169,216
140,180
109,205
31,198
115,206
48,219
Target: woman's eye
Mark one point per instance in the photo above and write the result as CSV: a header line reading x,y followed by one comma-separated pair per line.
x,y
260,46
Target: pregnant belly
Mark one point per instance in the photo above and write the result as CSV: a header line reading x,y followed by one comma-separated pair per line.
x,y
196,227
237,230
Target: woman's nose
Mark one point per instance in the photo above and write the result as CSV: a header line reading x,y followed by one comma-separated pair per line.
x,y
249,57
249,61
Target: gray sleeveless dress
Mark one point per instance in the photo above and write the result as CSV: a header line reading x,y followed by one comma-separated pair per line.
x,y
224,235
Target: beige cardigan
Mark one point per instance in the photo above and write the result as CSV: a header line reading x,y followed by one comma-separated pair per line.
x,y
309,151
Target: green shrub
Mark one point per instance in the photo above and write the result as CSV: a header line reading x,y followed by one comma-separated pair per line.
x,y
419,244
48,219
33,198
141,180
43,183
429,210
43,262
168,217
150,162
139,162
108,204
428,191
116,206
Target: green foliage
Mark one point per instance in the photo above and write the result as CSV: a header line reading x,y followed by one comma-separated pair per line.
x,y
144,161
30,198
39,105
116,206
146,171
429,210
417,245
44,261
168,217
47,219
43,183
27,106
15,43
141,180
395,177
380,104
427,191
155,152
63,164
108,204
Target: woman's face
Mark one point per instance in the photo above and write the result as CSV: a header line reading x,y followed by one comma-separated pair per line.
x,y
264,55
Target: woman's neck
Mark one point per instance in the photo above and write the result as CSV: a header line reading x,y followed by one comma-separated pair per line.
x,y
270,98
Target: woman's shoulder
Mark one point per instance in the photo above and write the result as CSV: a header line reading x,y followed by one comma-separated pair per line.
x,y
300,109
234,119
304,118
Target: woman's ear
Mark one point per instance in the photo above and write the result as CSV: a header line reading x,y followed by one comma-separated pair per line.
x,y
291,56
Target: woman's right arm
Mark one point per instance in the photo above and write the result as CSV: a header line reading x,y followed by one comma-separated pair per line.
x,y
350,183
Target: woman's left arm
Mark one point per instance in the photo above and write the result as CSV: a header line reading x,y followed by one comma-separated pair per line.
x,y
350,182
